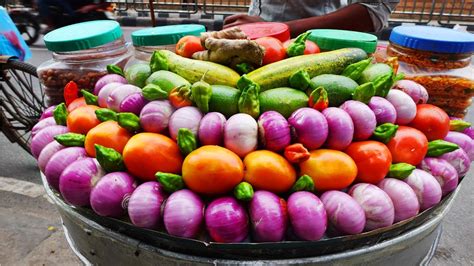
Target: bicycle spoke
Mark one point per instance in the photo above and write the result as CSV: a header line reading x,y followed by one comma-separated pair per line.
x,y
25,102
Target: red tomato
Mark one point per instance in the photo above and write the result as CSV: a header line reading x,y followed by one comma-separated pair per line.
x,y
311,47
188,45
274,50
372,158
408,146
432,121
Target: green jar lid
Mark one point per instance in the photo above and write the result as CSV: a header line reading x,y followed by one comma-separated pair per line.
x,y
165,35
328,39
82,36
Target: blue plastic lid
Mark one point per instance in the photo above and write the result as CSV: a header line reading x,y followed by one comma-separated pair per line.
x,y
434,39
82,36
164,35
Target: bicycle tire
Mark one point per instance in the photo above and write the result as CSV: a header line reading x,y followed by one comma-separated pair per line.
x,y
31,21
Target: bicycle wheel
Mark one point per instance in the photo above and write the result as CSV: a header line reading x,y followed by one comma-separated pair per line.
x,y
22,101
27,25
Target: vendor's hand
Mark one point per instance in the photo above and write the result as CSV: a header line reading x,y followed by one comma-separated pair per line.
x,y
240,19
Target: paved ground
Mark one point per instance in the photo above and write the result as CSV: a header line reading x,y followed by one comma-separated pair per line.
x,y
31,234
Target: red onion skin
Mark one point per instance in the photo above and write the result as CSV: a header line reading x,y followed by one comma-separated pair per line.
x,y
383,110
459,160
427,189
183,214
133,103
343,212
307,215
211,129
155,116
403,198
377,205
42,124
463,141
44,137
59,161
104,93
274,131
241,134
48,152
363,118
227,220
48,112
107,79
340,128
78,179
469,131
416,91
309,126
119,94
268,215
445,173
404,104
186,117
144,206
110,195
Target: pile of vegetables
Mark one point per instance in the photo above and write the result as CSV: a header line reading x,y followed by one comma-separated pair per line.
x,y
311,146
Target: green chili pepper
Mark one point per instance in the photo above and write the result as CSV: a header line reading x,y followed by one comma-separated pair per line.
x,y
158,61
170,182
243,191
153,92
439,147
318,99
363,93
105,114
71,139
397,77
90,98
60,114
385,132
300,80
110,159
243,82
383,84
304,183
186,141
114,69
297,47
248,101
201,93
129,121
458,125
354,71
400,170
244,68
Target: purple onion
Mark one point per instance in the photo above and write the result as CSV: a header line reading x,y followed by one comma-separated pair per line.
x,y
78,179
42,124
307,215
343,212
107,79
416,91
363,118
111,194
211,129
47,152
274,131
104,93
427,189
133,103
445,173
119,94
144,206
463,141
227,220
187,117
383,110
459,160
241,134
404,105
183,214
469,131
59,161
155,116
340,128
268,217
403,197
309,127
377,205
44,137
48,112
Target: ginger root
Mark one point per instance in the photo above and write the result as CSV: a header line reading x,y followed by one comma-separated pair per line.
x,y
231,52
231,33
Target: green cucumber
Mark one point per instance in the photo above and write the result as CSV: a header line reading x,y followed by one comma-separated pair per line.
x,y
283,100
167,80
374,71
137,74
339,88
224,100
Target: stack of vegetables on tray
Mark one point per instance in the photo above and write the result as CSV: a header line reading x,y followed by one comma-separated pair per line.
x,y
310,146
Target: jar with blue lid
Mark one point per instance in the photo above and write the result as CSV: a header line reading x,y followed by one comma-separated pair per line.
x,y
81,53
440,59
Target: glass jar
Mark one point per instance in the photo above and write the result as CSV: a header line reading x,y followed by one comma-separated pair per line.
x,y
81,53
440,60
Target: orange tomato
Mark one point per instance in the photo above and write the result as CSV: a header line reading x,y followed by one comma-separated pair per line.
x,y
148,153
108,134
188,45
82,119
212,170
329,169
268,170
373,160
78,102
274,50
